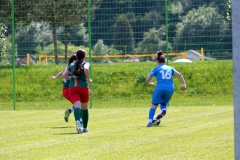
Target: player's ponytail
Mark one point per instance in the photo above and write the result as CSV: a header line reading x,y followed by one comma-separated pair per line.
x,y
72,58
78,67
160,57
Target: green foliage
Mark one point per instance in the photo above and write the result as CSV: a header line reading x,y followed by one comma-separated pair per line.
x,y
113,51
77,34
152,41
49,50
176,7
123,38
100,48
148,19
199,23
3,29
229,11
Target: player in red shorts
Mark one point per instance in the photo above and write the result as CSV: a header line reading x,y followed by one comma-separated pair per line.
x,y
65,90
78,89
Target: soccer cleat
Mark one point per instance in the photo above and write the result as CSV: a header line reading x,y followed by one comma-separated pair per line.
x,y
149,124
67,113
156,122
78,127
85,130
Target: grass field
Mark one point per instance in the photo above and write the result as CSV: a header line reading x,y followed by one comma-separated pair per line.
x,y
119,133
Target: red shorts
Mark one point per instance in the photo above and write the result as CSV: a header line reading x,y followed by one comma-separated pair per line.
x,y
79,94
65,92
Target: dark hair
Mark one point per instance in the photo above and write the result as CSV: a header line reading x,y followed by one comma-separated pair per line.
x,y
159,52
160,57
72,58
78,67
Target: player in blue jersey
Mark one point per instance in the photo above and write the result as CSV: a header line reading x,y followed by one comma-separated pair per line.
x,y
164,88
78,89
65,90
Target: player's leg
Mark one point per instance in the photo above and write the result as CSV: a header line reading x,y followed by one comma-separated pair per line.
x,y
163,109
151,114
163,105
155,101
85,116
84,106
77,108
77,115
68,111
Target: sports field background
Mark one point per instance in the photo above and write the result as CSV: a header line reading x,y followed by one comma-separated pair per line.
x,y
113,28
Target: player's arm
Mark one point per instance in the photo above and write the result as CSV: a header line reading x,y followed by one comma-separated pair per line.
x,y
86,71
65,74
179,75
57,76
148,81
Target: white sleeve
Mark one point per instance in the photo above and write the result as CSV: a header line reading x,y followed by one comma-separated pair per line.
x,y
86,65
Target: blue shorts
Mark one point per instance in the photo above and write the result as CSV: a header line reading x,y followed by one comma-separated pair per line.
x,y
160,96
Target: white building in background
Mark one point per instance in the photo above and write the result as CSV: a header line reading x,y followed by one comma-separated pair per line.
x,y
193,55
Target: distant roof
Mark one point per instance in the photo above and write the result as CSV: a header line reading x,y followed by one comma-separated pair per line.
x,y
193,52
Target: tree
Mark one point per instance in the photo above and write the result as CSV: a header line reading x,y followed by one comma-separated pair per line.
x,y
75,16
61,13
100,48
2,41
21,10
28,37
203,27
74,34
153,40
134,10
229,11
123,35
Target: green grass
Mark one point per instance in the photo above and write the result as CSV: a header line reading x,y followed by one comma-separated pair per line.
x,y
208,83
203,132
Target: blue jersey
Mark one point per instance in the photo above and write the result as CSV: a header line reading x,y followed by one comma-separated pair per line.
x,y
163,74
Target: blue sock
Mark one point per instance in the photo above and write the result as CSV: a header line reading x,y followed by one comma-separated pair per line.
x,y
151,113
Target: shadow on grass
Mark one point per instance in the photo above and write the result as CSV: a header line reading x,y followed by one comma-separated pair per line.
x,y
65,133
60,127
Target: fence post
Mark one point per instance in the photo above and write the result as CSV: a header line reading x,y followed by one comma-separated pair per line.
x,y
202,53
90,46
166,23
28,59
13,56
236,74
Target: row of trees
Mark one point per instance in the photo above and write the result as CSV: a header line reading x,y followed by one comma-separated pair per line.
x,y
55,12
191,24
133,26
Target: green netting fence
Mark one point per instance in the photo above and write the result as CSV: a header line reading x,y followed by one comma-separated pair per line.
x,y
121,39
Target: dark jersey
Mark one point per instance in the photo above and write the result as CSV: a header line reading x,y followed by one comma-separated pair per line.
x,y
80,80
